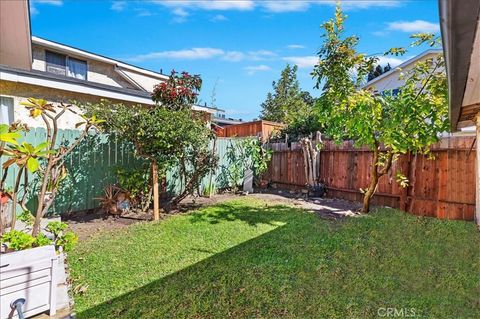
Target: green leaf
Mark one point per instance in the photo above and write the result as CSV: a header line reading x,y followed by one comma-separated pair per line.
x,y
32,164
41,146
10,137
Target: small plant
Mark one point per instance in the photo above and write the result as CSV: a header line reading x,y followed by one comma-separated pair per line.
x,y
53,170
209,190
56,228
26,217
113,195
67,241
64,240
135,181
17,240
42,240
247,154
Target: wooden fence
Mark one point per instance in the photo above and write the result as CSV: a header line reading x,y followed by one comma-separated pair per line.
x,y
443,187
262,129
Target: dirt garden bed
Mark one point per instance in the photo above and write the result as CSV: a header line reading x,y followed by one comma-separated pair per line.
x,y
88,223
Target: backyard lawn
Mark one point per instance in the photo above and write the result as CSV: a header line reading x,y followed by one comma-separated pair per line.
x,y
252,259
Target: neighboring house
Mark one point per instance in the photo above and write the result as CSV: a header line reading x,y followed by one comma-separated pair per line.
x,y
461,44
40,68
390,81
221,120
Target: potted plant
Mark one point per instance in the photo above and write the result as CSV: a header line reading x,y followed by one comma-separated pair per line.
x,y
32,269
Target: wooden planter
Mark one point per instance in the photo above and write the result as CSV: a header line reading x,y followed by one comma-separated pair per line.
x,y
30,274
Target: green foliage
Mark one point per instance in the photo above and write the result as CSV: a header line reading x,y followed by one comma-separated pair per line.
x,y
26,217
302,126
247,154
7,136
56,228
255,156
157,132
64,240
169,134
134,180
17,240
210,189
42,240
27,155
67,241
179,92
388,124
288,102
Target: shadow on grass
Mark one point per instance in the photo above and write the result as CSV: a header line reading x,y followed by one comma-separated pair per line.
x,y
304,269
252,215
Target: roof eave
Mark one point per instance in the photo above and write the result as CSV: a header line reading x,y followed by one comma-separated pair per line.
x,y
458,21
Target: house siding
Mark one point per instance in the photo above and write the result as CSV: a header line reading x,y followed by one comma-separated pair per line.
x,y
146,82
20,92
393,81
98,72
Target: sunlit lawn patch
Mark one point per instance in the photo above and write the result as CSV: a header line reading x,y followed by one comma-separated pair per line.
x,y
248,259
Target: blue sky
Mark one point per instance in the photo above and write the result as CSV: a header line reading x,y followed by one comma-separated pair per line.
x,y
240,45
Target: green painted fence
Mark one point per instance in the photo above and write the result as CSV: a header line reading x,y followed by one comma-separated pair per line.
x,y
91,166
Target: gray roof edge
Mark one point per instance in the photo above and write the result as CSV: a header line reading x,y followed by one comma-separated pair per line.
x,y
402,65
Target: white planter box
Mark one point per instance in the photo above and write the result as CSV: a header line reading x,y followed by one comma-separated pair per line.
x,y
31,274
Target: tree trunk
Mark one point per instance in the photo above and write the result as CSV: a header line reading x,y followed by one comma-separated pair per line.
x,y
373,182
15,199
156,199
376,174
41,198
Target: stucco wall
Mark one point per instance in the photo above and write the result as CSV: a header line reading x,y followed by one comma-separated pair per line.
x,y
146,82
20,92
98,72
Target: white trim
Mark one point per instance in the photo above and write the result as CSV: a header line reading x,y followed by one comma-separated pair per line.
x,y
128,79
88,55
401,66
13,76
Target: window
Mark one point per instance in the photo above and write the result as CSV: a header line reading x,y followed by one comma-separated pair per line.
x,y
77,68
6,110
56,63
61,64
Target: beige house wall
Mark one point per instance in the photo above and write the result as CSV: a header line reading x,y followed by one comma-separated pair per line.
x,y
20,92
147,82
98,72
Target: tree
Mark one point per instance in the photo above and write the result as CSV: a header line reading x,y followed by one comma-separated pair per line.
x,y
168,134
53,172
287,102
377,71
388,124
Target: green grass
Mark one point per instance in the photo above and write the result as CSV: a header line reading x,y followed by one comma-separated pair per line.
x,y
247,259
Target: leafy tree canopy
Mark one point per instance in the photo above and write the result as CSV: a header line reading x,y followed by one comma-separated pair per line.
x,y
388,124
287,102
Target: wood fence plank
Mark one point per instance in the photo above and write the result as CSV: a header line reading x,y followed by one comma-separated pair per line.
x,y
442,188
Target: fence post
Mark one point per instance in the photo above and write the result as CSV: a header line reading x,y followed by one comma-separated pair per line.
x,y
404,193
